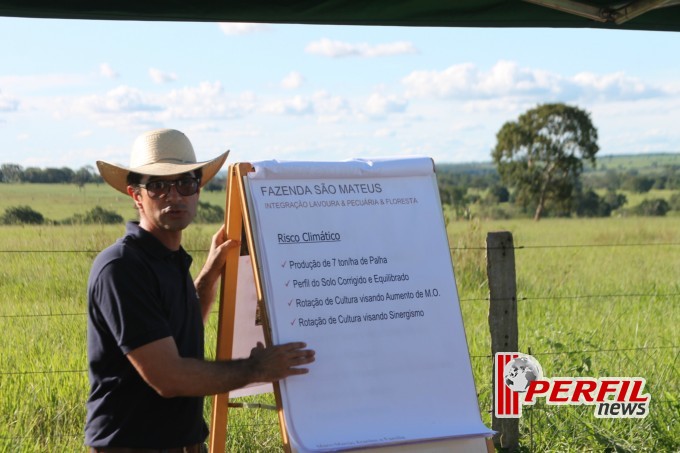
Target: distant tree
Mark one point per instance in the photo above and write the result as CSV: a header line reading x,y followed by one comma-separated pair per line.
x,y
655,207
674,201
454,181
453,195
541,154
59,175
500,193
672,173
216,184
456,197
11,172
33,175
612,180
615,200
18,215
48,175
83,175
590,204
639,184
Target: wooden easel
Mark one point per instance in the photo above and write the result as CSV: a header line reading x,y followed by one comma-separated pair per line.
x,y
236,217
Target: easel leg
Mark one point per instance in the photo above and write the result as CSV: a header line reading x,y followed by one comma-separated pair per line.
x,y
225,327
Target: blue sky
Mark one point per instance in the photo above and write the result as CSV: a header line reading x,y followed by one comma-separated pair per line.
x,y
74,91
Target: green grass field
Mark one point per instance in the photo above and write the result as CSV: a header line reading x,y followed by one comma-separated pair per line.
x,y
61,201
643,163
597,297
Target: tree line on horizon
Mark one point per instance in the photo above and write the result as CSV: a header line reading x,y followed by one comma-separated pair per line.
x,y
480,192
466,189
15,173
539,169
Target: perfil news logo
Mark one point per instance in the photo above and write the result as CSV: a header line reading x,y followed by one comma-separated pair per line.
x,y
519,381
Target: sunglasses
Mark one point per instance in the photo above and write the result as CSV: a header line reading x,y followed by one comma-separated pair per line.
x,y
160,189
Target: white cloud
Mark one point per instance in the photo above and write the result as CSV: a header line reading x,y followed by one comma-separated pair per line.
x,y
204,128
105,70
132,108
467,81
122,99
207,100
384,132
614,86
292,80
506,77
197,94
293,106
506,81
161,77
327,107
241,28
379,105
8,103
33,83
336,49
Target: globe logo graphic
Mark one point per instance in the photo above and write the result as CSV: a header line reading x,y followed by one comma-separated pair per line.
x,y
520,372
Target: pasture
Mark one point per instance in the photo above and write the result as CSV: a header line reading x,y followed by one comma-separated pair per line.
x,y
598,297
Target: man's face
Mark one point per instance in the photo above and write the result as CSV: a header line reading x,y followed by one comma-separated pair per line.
x,y
161,211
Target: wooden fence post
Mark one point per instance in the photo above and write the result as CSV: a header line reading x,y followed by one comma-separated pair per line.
x,y
500,269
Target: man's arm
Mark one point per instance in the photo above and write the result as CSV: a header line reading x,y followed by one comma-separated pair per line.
x,y
209,276
171,375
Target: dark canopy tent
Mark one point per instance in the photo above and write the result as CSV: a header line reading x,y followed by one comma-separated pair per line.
x,y
660,15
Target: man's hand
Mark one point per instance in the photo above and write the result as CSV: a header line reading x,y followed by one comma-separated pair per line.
x,y
218,253
207,279
277,362
171,375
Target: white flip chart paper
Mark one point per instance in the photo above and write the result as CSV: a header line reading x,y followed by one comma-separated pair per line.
x,y
356,263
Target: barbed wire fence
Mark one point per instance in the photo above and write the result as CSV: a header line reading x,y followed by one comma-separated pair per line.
x,y
531,438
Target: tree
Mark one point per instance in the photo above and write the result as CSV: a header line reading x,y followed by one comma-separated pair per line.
x,y
11,172
656,207
83,175
639,184
615,200
590,204
499,194
541,154
674,201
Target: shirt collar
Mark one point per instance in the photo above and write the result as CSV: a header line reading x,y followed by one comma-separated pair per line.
x,y
151,244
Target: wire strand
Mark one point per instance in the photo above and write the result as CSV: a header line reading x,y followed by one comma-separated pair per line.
x,y
646,348
516,247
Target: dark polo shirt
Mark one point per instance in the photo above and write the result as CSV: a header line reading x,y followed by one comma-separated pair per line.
x,y
139,292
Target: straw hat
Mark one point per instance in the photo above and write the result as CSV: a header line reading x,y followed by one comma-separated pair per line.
x,y
161,152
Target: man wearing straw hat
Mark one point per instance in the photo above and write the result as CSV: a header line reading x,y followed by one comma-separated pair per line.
x,y
147,372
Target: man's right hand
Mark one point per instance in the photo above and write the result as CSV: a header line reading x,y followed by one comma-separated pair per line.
x,y
171,375
273,363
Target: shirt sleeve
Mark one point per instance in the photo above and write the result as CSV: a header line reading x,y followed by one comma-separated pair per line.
x,y
128,298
